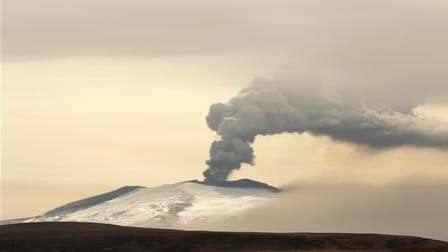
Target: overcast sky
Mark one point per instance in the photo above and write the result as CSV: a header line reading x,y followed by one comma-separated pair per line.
x,y
98,94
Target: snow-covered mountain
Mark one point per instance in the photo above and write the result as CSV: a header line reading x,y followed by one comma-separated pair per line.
x,y
174,205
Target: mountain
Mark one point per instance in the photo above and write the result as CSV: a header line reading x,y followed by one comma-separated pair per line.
x,y
173,205
74,237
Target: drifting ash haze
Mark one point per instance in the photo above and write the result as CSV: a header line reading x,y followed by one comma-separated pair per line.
x,y
269,108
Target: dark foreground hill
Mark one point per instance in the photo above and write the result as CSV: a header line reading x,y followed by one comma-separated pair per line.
x,y
69,236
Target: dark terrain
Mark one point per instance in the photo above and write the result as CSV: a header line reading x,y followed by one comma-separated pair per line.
x,y
241,183
71,236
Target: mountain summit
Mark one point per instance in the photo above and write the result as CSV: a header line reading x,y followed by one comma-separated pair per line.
x,y
242,183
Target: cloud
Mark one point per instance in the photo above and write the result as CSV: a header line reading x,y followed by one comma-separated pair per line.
x,y
275,107
389,52
50,28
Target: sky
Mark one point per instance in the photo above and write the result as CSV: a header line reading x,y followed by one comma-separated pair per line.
x,y
100,94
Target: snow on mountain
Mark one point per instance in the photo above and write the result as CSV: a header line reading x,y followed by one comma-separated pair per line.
x,y
173,205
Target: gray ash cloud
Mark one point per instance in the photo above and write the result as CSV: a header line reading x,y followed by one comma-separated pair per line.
x,y
269,108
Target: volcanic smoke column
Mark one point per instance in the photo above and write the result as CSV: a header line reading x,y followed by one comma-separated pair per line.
x,y
265,109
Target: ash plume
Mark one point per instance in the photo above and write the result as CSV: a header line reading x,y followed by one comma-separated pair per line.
x,y
267,108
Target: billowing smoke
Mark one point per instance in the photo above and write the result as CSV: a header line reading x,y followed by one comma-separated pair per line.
x,y
268,109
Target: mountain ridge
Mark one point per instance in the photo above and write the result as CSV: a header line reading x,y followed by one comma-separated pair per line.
x,y
70,236
91,201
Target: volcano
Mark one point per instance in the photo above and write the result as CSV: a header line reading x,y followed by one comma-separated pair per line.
x,y
172,205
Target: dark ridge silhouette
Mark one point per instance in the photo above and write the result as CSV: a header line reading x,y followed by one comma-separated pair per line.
x,y
77,236
241,183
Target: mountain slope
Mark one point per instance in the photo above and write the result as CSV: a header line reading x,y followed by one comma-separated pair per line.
x,y
91,201
173,205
